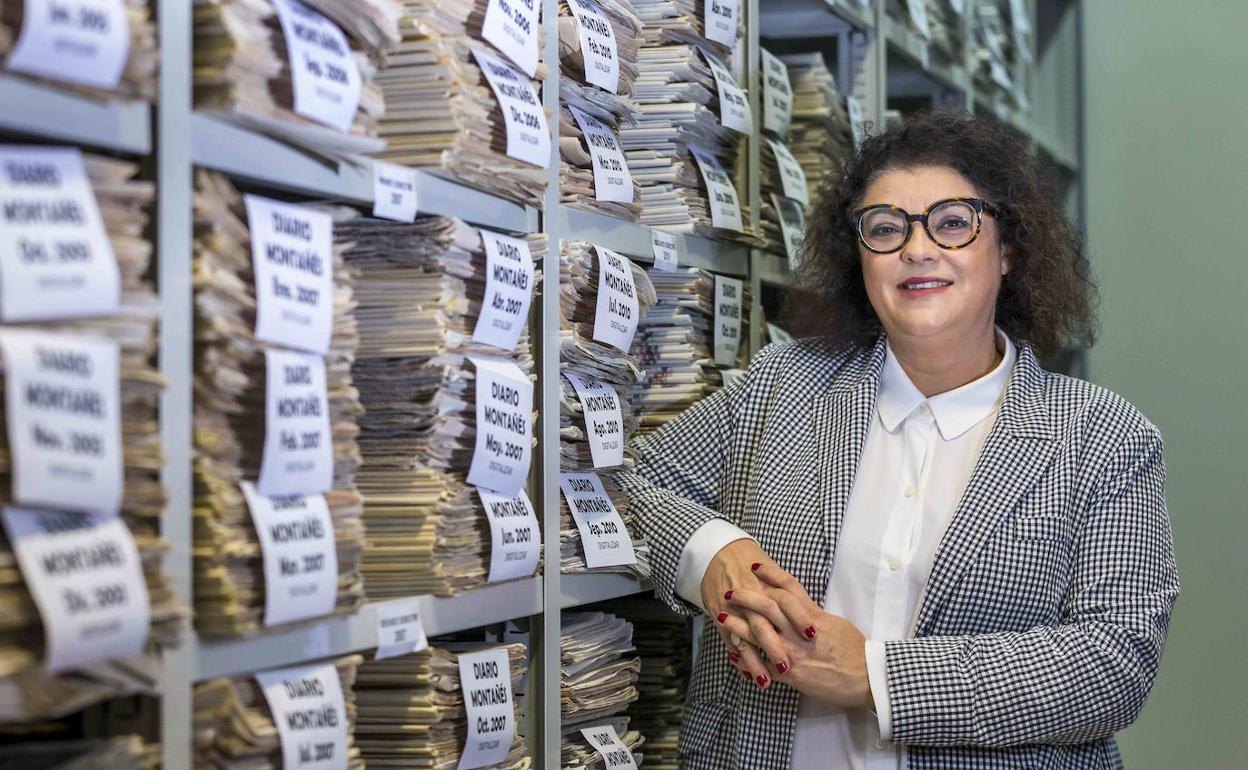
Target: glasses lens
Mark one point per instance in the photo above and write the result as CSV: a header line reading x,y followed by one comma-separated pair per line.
x,y
952,224
883,229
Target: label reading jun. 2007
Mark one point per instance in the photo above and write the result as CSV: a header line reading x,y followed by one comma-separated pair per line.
x,y
485,681
734,110
511,26
597,39
293,260
79,41
727,320
604,538
528,137
604,424
300,558
612,179
310,714
324,72
504,412
721,195
777,94
298,446
515,540
508,290
617,311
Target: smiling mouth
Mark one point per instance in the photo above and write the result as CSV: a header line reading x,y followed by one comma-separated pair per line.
x,y
923,285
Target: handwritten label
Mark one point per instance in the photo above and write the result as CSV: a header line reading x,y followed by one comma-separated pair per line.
x,y
296,537
298,446
508,290
612,179
293,260
604,424
727,320
777,94
857,120
310,714
666,255
394,192
918,14
511,26
792,228
597,38
323,71
528,138
604,538
84,574
721,195
63,407
79,41
719,21
607,743
500,460
734,110
399,629
515,538
617,311
485,680
792,177
55,257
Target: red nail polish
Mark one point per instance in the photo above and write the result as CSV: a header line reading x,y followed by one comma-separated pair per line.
x,y
728,594
756,565
735,658
761,679
810,632
721,617
782,667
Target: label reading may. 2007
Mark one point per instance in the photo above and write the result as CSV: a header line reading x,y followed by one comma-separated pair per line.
x,y
604,538
485,681
720,19
324,73
792,178
617,311
515,539
528,137
727,320
310,714
612,179
597,39
293,260
604,424
666,253
504,411
777,94
298,446
508,290
608,745
55,257
511,25
80,41
85,576
721,195
734,110
300,558
63,407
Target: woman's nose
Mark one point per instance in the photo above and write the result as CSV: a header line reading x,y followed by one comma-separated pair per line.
x,y
919,247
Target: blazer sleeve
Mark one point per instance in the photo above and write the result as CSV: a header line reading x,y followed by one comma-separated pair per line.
x,y
1081,680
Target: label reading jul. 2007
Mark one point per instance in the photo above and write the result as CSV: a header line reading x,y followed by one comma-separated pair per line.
x,y
777,94
394,192
608,745
721,195
324,73
727,320
292,258
504,411
63,408
597,39
528,137
298,446
55,257
792,178
720,19
85,576
300,558
515,540
604,538
80,41
734,110
485,681
612,179
310,714
511,26
604,424
508,290
617,311
666,254
792,228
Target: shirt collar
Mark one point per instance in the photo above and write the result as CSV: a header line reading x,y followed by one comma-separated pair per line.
x,y
956,411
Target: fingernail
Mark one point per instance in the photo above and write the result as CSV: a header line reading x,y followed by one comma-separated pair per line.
x,y
728,594
761,679
782,667
721,617
756,565
810,632
734,657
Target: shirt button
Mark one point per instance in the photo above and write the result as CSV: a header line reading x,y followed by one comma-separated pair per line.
x,y
910,490
894,564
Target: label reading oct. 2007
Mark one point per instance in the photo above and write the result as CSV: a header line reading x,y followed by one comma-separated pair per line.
x,y
80,41
299,553
515,539
511,26
528,137
485,681
721,195
617,311
508,290
504,411
727,320
734,110
604,538
612,179
604,423
597,39
293,260
777,94
310,714
298,454
323,70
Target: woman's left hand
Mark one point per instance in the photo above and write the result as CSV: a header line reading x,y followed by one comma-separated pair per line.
x,y
830,664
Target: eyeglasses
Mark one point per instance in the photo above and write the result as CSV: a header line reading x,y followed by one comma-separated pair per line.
x,y
953,223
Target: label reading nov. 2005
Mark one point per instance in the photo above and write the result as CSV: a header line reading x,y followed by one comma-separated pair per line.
x,y
608,745
300,557
485,681
504,412
721,195
293,260
612,179
515,539
528,137
597,39
298,446
734,110
79,41
604,538
310,714
727,320
323,70
617,311
511,26
777,94
604,423
508,290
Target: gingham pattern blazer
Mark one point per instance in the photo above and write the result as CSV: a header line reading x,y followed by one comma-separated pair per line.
x,y
1043,621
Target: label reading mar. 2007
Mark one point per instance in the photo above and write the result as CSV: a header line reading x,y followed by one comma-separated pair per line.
x,y
504,412
298,446
310,714
727,320
792,177
485,682
721,195
55,257
666,254
524,119
608,745
515,540
85,576
792,228
300,558
604,423
617,310
597,39
324,72
394,192
508,290
80,41
293,260
777,94
734,110
63,407
720,19
511,26
612,179
604,538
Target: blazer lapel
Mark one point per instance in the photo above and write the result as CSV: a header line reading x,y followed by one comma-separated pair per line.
x,y
1019,448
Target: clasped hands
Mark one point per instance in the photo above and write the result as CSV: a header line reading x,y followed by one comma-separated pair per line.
x,y
784,636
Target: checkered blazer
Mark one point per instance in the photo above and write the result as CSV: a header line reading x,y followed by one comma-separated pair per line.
x,y
1043,620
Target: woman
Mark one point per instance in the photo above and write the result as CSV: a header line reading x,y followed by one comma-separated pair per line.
x,y
919,548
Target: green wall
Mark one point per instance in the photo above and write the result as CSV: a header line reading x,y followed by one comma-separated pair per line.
x,y
1166,166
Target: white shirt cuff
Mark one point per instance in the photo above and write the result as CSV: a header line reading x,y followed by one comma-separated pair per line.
x,y
877,675
702,547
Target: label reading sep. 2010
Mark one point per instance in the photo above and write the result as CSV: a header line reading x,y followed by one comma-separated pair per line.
x,y
504,411
310,714
298,446
323,71
485,682
524,119
293,260
300,557
604,538
508,290
79,41
617,311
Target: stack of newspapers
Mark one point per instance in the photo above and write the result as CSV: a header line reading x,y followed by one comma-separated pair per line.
x,y
599,670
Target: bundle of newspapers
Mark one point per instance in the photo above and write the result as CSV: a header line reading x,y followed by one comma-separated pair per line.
x,y
421,289
664,642
599,670
240,438
412,713
785,198
299,70
1002,41
444,111
108,64
122,752
946,20
820,135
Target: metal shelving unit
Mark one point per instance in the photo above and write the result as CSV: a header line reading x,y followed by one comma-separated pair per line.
x,y
36,111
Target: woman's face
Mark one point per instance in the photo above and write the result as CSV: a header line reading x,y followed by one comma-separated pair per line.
x,y
964,301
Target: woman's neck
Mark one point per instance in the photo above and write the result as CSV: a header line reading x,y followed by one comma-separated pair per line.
x,y
936,366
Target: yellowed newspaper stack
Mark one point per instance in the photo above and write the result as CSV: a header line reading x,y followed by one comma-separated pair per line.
x,y
599,671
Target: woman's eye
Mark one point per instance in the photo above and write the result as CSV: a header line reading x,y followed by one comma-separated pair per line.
x,y
883,230
954,223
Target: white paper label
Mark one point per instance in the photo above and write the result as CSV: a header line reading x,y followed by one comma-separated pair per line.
x,y
310,715
324,73
719,21
776,334
528,138
604,538
298,446
292,256
777,94
727,320
721,195
511,26
918,13
734,110
1020,17
612,179
792,177
792,228
604,424
602,59
857,120
55,257
394,192
399,629
617,311
79,41
957,6
296,537
666,254
508,290
515,539
485,680
500,460
84,574
607,743
63,407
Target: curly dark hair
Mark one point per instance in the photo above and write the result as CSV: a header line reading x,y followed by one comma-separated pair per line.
x,y
1046,299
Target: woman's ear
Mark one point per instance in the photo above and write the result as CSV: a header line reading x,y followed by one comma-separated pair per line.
x,y
1007,258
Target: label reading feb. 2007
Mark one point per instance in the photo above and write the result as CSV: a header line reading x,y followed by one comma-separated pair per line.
x,y
528,137
508,290
293,260
80,41
485,681
298,446
323,70
612,179
504,412
617,311
300,557
604,538
310,714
